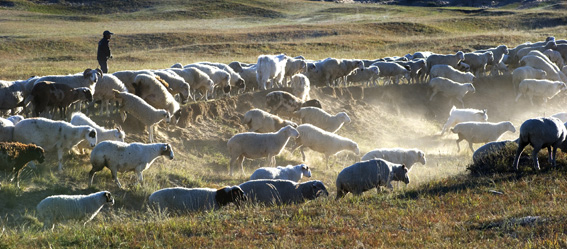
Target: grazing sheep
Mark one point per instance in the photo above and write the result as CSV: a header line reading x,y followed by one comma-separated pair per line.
x,y
141,110
491,150
498,54
53,136
257,145
450,59
526,72
102,134
539,48
220,77
196,199
542,63
177,85
463,115
248,74
541,133
555,57
369,75
283,102
294,66
292,173
87,79
56,208
481,132
301,87
320,118
366,175
407,157
270,70
415,67
154,91
15,156
450,89
394,70
104,91
545,89
322,141
449,72
478,62
13,94
48,94
235,79
197,80
123,157
261,121
127,77
6,130
421,55
332,69
279,192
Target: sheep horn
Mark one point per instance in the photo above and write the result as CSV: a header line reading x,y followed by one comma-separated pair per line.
x,y
99,71
86,72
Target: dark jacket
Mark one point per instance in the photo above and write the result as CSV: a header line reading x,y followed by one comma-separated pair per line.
x,y
103,52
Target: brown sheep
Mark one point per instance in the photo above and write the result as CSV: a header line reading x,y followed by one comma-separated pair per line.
x,y
14,157
48,94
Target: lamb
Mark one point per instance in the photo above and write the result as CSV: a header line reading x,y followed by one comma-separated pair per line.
x,y
415,67
450,89
279,192
463,115
141,110
540,88
220,77
6,130
555,57
541,133
322,141
284,102
301,86
257,145
123,157
498,55
366,175
196,199
526,72
154,91
127,77
261,121
53,136
481,132
292,173
392,69
102,134
177,85
490,150
451,73
15,156
270,70
451,60
197,80
407,157
478,62
332,69
104,91
45,94
318,117
368,75
87,79
56,208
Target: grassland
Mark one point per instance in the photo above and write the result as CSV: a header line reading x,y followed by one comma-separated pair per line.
x,y
443,207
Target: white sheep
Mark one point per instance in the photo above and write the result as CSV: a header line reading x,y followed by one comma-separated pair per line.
x,y
197,80
450,89
261,121
127,77
145,113
177,84
555,57
463,115
407,157
15,119
278,192
270,70
56,208
543,63
281,102
393,70
366,175
322,141
123,157
53,136
294,66
498,54
451,73
257,145
102,134
416,67
481,132
541,133
87,79
154,91
6,130
104,91
490,150
13,93
248,74
450,59
478,61
235,79
332,69
220,77
320,118
300,87
292,173
195,199
545,89
526,72
368,75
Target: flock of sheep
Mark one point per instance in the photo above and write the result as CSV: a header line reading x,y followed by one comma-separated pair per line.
x,y
152,96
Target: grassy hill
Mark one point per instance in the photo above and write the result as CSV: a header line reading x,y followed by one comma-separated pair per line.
x,y
443,206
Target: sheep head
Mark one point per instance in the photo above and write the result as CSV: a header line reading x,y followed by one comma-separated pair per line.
x,y
167,151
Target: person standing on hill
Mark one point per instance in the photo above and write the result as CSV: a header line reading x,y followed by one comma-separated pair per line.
x,y
103,53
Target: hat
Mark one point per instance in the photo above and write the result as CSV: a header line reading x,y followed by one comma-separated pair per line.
x,y
106,32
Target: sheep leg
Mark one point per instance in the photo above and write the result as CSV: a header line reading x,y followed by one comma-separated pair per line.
x,y
534,157
140,178
531,99
554,154
433,94
458,146
60,158
470,146
302,153
232,161
241,162
461,100
521,146
115,177
519,94
151,132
